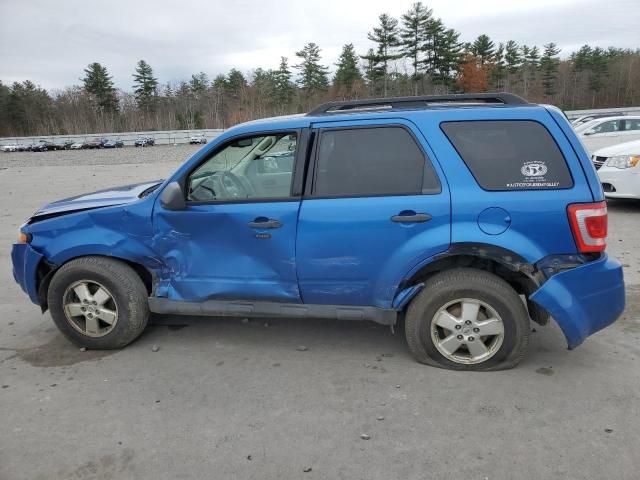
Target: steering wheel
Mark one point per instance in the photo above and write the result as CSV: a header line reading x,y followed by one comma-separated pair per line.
x,y
231,185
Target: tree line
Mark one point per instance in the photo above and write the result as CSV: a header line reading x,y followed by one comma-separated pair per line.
x,y
416,54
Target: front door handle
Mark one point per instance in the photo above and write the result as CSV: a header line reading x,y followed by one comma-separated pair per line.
x,y
411,217
263,222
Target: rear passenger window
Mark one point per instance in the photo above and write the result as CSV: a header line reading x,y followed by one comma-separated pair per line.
x,y
509,155
372,161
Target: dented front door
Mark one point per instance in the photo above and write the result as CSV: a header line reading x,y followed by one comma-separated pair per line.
x,y
228,251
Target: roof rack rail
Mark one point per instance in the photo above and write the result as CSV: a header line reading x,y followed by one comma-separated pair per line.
x,y
419,102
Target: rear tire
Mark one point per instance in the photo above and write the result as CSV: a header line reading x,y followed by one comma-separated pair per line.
x,y
467,319
98,302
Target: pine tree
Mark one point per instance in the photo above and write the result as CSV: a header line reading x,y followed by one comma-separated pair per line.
x,y
498,68
99,85
512,56
236,83
483,49
432,45
313,76
347,73
549,65
145,86
386,37
414,26
448,57
284,89
198,84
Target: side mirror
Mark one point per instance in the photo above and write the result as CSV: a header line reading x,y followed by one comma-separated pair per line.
x,y
589,132
172,197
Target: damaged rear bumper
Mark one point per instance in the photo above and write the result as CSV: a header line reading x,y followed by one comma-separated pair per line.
x,y
25,266
584,299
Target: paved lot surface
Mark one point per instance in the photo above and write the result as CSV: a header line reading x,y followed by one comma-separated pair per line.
x,y
226,399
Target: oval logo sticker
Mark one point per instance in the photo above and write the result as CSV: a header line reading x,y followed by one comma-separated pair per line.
x,y
534,169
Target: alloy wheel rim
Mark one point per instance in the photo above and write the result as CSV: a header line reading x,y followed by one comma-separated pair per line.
x,y
467,331
90,308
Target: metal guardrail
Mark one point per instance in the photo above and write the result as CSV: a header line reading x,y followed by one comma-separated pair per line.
x,y
166,137
173,137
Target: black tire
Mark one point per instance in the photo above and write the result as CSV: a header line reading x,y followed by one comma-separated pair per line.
x,y
126,287
460,283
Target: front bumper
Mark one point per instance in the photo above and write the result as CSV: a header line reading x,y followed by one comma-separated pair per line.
x,y
584,299
25,266
620,183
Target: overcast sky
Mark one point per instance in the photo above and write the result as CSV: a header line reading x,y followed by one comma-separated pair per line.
x,y
52,41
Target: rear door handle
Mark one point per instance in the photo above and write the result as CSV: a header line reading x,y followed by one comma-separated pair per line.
x,y
411,218
263,222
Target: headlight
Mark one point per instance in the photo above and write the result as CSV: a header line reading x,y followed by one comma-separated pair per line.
x,y
24,237
623,161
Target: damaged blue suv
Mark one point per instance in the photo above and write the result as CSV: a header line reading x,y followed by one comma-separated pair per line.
x,y
468,216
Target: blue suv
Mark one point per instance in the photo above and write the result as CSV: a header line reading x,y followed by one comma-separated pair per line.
x,y
464,216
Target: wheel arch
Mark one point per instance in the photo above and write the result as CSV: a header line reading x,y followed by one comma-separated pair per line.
x,y
46,270
506,264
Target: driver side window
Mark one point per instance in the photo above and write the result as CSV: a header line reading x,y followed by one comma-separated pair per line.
x,y
258,167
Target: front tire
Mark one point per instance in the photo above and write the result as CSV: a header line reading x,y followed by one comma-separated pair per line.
x,y
98,302
467,319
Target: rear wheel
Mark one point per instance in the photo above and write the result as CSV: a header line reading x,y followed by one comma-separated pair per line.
x,y
98,303
467,319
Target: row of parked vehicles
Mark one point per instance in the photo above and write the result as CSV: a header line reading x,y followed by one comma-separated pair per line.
x,y
46,145
614,144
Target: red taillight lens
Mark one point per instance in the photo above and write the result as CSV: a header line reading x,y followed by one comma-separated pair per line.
x,y
589,226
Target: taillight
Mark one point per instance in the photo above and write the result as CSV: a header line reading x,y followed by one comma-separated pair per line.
x,y
589,226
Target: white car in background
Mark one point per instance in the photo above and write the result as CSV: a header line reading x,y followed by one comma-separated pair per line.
x,y
76,146
199,139
619,170
9,148
604,132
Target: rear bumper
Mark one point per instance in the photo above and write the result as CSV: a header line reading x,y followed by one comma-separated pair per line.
x,y
584,299
25,265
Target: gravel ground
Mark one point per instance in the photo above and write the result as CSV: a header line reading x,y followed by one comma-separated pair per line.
x,y
219,398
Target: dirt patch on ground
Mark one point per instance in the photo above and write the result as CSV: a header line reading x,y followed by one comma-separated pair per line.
x,y
630,319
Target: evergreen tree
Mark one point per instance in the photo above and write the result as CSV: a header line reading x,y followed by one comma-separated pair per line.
x,y
386,37
414,25
284,89
498,68
145,86
549,65
236,83
198,84
432,45
483,49
447,58
512,56
313,76
347,73
99,85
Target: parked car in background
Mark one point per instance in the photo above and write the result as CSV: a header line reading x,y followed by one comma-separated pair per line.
x,y
587,118
76,146
144,142
604,132
619,169
93,143
199,139
113,144
347,212
9,148
44,146
66,145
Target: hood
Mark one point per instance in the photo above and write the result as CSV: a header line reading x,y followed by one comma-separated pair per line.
x,y
102,198
627,148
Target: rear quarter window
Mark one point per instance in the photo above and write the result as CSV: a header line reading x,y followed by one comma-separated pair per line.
x,y
509,155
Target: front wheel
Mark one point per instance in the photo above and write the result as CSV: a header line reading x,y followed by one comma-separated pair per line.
x,y
467,319
98,302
